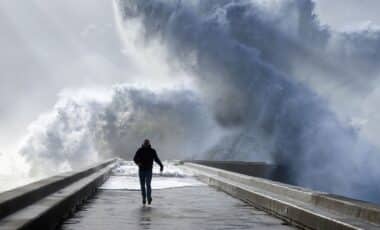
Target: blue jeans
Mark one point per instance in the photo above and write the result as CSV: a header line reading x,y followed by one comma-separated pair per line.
x,y
145,178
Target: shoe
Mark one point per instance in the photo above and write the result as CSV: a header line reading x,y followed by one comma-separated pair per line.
x,y
149,201
144,202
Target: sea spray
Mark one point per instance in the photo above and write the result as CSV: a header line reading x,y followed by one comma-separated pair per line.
x,y
263,68
85,129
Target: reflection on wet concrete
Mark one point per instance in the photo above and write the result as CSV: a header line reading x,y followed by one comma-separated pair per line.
x,y
184,208
145,217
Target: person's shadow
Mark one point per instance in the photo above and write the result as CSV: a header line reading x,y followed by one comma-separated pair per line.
x,y
145,217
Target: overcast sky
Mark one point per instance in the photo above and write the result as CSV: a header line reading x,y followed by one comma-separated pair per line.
x,y
340,14
49,45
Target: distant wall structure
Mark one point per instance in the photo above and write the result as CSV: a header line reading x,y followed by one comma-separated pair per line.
x,y
256,169
45,203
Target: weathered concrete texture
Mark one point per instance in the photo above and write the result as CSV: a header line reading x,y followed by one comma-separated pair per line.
x,y
18,198
42,205
302,207
189,208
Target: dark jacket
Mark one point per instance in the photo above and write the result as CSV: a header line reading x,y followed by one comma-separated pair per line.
x,y
145,156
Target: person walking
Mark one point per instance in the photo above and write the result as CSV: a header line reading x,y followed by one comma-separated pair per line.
x,y
144,158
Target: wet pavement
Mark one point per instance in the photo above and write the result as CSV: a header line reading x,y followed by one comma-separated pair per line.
x,y
194,207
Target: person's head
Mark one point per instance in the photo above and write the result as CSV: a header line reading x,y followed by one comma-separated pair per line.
x,y
146,143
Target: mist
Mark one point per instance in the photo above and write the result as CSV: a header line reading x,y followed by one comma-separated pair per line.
x,y
257,80
48,46
345,14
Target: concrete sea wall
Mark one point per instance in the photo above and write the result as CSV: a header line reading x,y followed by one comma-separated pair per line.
x,y
43,204
299,206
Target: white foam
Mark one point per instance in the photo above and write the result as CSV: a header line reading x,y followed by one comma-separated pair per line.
x,y
125,177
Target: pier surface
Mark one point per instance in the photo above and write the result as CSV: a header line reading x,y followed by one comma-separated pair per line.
x,y
189,207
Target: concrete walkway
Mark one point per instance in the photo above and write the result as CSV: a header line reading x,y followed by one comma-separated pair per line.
x,y
196,207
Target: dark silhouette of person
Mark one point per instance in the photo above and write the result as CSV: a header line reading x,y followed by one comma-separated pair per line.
x,y
144,158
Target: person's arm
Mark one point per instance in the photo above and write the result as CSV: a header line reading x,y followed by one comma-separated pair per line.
x,y
136,159
158,161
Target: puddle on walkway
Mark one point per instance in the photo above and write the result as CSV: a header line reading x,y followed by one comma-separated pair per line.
x,y
184,208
